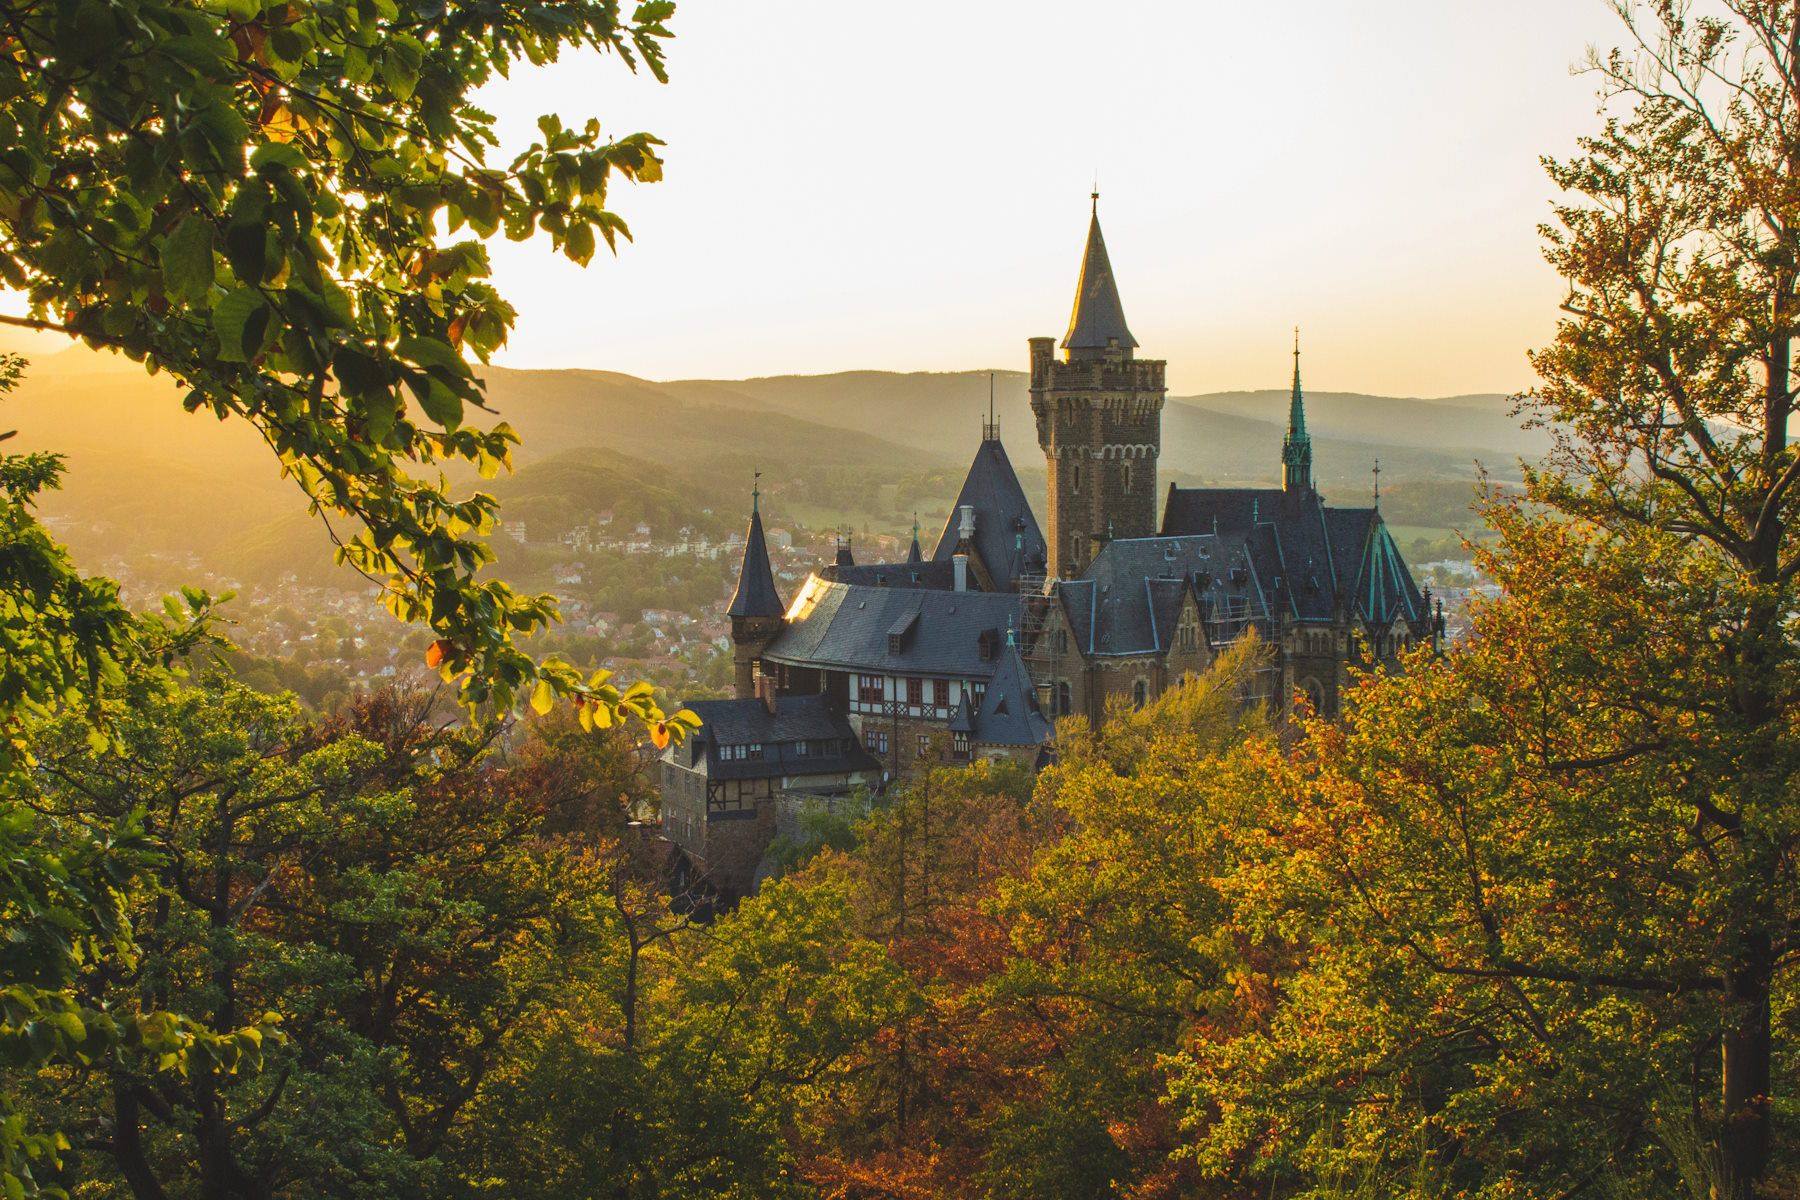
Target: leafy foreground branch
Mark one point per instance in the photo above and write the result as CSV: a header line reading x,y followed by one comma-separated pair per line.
x,y
247,196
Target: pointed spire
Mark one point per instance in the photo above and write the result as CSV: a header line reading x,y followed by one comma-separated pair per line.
x,y
1377,474
915,554
1098,320
756,595
1296,447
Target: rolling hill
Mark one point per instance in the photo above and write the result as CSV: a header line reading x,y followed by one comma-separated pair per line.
x,y
865,447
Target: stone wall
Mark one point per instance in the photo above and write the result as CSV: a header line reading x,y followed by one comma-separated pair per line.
x,y
1099,424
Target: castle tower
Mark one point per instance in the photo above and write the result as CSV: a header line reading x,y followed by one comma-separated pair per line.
x,y
756,608
1296,447
1099,420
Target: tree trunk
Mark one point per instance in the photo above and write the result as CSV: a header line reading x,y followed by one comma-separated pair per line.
x,y
1747,1061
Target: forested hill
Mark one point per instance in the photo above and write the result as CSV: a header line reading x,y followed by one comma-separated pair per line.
x,y
868,448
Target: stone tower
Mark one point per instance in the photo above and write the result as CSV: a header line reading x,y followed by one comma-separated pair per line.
x,y
1099,421
1296,447
756,610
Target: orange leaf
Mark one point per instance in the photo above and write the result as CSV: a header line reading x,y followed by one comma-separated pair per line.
x,y
436,653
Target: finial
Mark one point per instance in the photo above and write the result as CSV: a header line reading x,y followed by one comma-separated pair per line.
x,y
755,491
1094,196
915,526
1377,473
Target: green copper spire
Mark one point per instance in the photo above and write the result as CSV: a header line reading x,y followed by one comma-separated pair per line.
x,y
1296,448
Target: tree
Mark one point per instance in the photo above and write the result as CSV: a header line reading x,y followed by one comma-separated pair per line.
x,y
67,645
1672,378
247,195
383,879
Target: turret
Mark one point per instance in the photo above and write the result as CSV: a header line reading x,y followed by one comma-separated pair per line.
x,y
1099,420
756,608
1296,447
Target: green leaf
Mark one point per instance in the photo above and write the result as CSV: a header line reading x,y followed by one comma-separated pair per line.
x,y
429,352
241,319
187,258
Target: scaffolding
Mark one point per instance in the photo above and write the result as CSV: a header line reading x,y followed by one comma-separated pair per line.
x,y
1042,652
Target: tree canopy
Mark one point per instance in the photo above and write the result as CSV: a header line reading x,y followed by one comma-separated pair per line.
x,y
254,198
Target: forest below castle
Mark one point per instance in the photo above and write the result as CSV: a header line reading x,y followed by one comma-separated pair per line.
x,y
1522,924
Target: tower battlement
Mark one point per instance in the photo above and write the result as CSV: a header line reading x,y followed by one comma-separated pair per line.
x,y
1115,374
1099,421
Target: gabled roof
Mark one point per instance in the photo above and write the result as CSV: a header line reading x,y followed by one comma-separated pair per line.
x,y
1129,599
832,745
756,595
1006,532
845,626
1311,559
939,576
1009,713
1098,317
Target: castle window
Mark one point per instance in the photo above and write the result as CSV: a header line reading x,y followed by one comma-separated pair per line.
x,y
1064,703
802,749
1125,475
869,689
924,745
915,692
1075,478
940,693
959,745
875,740
1140,693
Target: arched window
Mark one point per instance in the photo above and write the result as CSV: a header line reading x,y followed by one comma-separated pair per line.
x,y
1075,478
1065,699
1140,693
1125,474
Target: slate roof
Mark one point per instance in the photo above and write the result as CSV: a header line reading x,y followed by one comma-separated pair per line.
x,y
1128,601
809,719
1009,713
756,595
1007,536
935,575
846,626
1308,556
1098,316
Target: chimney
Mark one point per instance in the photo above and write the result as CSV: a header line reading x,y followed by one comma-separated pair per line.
x,y
965,522
959,569
765,691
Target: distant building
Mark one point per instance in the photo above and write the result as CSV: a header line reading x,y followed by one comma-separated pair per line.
x,y
972,651
721,786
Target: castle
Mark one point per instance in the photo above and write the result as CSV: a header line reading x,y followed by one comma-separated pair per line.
x,y
973,651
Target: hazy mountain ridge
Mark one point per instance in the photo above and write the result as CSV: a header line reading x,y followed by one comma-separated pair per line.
x,y
145,477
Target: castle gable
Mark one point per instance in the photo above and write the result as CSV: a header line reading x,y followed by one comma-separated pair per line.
x,y
847,627
1007,538
1313,561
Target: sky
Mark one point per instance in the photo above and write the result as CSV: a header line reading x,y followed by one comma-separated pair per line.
x,y
852,185
906,187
